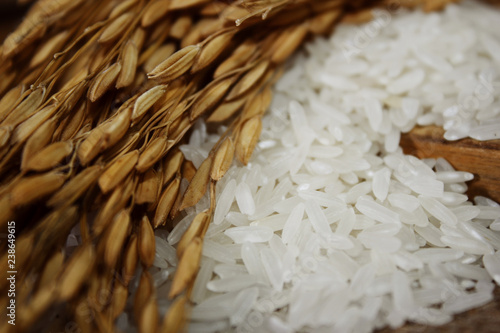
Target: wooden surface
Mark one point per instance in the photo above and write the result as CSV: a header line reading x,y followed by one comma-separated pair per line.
x,y
483,160
480,158
485,319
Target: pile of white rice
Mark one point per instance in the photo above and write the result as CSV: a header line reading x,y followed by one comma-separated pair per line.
x,y
330,227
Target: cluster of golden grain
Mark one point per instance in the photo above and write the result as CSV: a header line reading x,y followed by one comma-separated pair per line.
x,y
96,96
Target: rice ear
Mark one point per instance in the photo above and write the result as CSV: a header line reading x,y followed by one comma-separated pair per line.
x,y
24,251
34,188
175,318
49,157
121,8
223,159
148,188
258,105
114,129
118,300
154,12
52,269
196,228
91,146
175,65
226,110
152,154
198,185
130,259
237,59
71,127
26,108
212,49
144,293
148,319
6,211
247,139
117,171
9,100
5,134
129,59
116,237
75,187
76,272
161,53
180,27
324,22
183,4
249,80
49,48
116,28
24,130
39,303
104,81
146,244
287,42
166,202
187,268
147,100
113,204
211,95
172,165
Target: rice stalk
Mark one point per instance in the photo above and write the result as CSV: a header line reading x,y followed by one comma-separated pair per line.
x,y
117,171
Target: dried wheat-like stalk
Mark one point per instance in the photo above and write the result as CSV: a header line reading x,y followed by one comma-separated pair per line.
x,y
92,110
